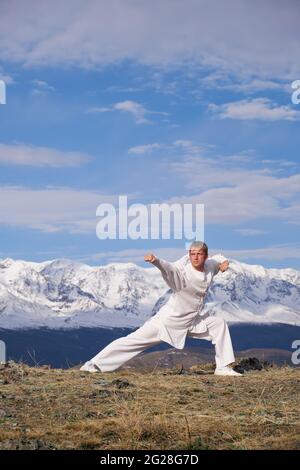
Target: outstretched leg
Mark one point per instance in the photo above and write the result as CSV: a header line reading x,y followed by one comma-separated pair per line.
x,y
122,349
217,331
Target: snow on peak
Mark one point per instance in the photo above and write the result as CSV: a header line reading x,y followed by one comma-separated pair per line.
x,y
62,293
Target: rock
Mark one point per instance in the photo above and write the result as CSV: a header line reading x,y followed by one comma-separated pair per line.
x,y
4,382
250,363
103,383
121,383
14,371
101,393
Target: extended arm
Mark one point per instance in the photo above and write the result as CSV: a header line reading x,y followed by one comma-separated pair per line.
x,y
170,273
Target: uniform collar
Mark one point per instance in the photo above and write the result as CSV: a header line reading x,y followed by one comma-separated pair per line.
x,y
196,273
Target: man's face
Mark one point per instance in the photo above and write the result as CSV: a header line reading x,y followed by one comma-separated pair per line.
x,y
197,257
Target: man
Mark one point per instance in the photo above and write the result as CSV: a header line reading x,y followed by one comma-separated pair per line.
x,y
189,279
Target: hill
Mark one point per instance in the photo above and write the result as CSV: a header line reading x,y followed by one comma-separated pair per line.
x,y
44,408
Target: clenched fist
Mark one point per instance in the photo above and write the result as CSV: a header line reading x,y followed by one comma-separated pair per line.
x,y
150,258
224,266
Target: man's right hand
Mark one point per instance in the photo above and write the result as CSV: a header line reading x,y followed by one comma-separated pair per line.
x,y
150,258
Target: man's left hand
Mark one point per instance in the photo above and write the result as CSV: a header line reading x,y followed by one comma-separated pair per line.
x,y
224,266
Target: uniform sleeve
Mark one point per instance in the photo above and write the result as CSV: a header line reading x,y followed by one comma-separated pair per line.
x,y
170,273
216,266
214,263
181,262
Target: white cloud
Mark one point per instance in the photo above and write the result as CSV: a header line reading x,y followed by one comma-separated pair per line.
x,y
259,108
120,89
52,209
8,79
231,190
142,149
137,110
233,193
256,85
268,253
133,255
249,232
189,147
42,87
42,84
29,155
271,253
243,36
219,80
181,145
101,109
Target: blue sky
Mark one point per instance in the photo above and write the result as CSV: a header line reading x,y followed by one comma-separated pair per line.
x,y
174,103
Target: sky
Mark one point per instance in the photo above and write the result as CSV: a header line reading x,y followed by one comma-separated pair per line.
x,y
164,102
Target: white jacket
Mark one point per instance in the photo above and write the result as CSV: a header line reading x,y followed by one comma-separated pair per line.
x,y
186,302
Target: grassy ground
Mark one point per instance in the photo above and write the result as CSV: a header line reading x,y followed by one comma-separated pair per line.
x,y
43,408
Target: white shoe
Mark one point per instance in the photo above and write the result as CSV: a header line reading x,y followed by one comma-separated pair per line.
x,y
227,371
90,367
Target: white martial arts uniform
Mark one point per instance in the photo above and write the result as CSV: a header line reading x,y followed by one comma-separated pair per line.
x,y
181,316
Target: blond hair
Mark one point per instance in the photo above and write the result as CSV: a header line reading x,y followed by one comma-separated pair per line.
x,y
199,245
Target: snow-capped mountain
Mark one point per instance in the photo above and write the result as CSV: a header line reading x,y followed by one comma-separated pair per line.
x,y
65,294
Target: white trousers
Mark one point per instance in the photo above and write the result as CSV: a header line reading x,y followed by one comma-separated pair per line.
x,y
123,349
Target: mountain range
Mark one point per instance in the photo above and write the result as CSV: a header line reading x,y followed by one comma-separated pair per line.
x,y
63,294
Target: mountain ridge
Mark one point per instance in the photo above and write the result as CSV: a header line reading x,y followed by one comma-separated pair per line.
x,y
62,293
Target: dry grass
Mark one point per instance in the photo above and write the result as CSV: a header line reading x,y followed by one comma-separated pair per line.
x,y
43,408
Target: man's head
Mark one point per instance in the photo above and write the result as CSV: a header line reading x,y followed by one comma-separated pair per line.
x,y
198,253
